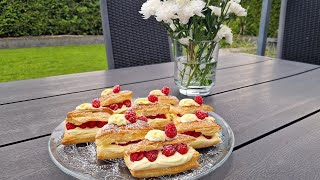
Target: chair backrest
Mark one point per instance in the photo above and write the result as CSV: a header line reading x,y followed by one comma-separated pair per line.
x,y
130,39
299,31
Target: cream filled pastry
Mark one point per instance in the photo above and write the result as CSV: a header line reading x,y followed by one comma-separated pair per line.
x,y
189,106
161,153
155,113
201,126
82,124
164,97
115,99
122,131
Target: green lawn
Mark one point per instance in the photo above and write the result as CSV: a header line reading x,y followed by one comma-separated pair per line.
x,y
28,63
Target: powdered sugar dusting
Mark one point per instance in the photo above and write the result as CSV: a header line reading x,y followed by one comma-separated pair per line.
x,y
80,160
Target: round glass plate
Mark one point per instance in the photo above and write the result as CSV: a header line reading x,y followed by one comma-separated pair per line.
x,y
80,160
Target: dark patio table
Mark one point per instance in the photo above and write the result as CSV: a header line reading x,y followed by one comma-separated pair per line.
x,y
273,107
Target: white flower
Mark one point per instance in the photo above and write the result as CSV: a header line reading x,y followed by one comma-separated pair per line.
x,y
215,10
224,32
189,8
167,11
237,1
173,27
149,8
236,8
185,41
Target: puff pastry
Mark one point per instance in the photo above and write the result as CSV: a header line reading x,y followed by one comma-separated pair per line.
x,y
181,110
164,97
84,125
151,111
107,100
112,140
162,165
206,131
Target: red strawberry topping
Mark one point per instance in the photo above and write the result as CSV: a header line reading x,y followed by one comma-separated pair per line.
x,y
198,99
182,148
95,103
70,126
91,124
116,89
168,150
127,103
197,134
200,114
170,130
143,118
165,90
193,133
113,106
208,137
153,98
100,124
119,105
161,116
137,156
83,125
151,155
130,115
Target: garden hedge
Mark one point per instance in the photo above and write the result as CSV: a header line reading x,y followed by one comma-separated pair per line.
x,y
49,17
82,17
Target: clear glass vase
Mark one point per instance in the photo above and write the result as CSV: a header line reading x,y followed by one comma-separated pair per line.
x,y
195,66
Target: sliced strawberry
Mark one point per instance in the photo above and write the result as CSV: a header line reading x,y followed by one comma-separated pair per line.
x,y
70,126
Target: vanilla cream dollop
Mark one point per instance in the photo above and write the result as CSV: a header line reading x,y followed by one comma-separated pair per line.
x,y
188,102
189,118
85,106
142,101
157,93
118,119
156,135
161,162
106,92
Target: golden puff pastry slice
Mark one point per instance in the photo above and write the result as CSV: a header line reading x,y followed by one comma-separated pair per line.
x,y
189,106
159,155
206,130
157,114
119,102
164,97
112,140
82,125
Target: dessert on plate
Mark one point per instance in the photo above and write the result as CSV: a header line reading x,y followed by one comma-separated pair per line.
x,y
201,126
164,97
115,99
189,106
155,113
82,124
122,131
161,153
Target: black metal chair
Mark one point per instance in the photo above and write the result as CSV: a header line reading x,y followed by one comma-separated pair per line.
x,y
299,31
131,40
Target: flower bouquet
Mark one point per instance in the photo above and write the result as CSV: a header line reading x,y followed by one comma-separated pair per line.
x,y
196,28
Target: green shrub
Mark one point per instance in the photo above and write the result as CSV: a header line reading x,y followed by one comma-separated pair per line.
x,y
250,25
49,17
82,17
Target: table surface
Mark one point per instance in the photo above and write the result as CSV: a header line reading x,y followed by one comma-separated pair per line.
x,y
273,107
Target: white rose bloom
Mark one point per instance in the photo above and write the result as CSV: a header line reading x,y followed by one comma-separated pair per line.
x,y
167,11
215,10
236,8
149,8
185,41
189,9
224,32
